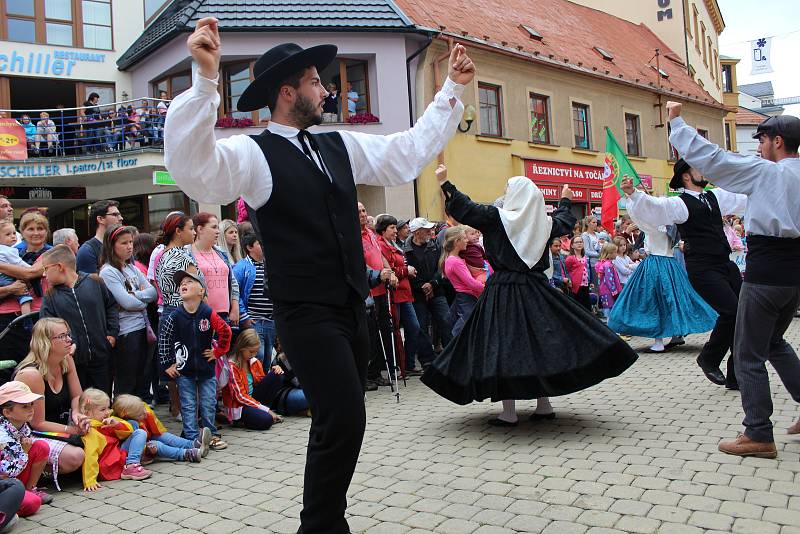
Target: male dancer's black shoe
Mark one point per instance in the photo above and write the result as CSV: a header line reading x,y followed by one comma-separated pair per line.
x,y
734,386
712,373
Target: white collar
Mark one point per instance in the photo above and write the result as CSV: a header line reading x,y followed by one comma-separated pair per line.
x,y
695,194
282,130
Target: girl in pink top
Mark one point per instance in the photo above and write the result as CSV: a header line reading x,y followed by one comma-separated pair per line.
x,y
221,286
455,269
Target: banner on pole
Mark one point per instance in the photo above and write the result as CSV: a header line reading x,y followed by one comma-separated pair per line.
x,y
760,55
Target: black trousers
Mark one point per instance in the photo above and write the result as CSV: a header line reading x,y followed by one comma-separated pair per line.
x,y
130,364
381,338
719,285
95,374
328,348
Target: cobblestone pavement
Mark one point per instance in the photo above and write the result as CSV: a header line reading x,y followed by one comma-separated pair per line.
x,y
635,454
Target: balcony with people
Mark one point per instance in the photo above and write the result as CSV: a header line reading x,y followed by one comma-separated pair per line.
x,y
93,130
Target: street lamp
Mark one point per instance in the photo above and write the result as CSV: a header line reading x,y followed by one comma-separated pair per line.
x,y
469,118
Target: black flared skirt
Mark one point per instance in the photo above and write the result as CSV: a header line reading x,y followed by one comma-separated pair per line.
x,y
525,340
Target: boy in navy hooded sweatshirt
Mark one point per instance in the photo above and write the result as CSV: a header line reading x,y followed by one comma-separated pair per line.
x,y
188,351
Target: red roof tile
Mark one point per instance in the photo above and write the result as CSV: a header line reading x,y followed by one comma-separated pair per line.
x,y
748,117
570,32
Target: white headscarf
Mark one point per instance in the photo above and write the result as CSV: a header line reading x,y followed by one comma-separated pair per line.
x,y
525,219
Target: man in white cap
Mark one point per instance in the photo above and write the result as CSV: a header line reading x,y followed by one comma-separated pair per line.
x,y
423,253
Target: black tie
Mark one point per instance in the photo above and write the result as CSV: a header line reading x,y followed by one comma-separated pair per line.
x,y
704,200
308,143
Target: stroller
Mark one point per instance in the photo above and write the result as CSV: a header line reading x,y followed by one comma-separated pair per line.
x,y
15,341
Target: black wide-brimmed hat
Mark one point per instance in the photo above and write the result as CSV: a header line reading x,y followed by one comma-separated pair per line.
x,y
677,177
276,65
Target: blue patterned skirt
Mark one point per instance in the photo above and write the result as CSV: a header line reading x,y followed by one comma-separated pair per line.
x,y
659,302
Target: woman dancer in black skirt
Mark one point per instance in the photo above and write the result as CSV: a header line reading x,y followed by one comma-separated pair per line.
x,y
524,339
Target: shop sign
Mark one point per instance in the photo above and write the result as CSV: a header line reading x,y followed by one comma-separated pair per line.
x,y
44,170
44,193
552,192
564,173
48,63
13,145
162,178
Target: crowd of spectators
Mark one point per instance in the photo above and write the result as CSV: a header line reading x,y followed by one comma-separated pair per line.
x,y
102,332
96,127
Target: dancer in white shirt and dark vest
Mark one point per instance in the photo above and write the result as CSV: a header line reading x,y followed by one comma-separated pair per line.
x,y
698,215
771,291
301,191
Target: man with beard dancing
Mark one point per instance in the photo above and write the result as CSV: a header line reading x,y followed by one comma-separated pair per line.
x,y
698,215
301,191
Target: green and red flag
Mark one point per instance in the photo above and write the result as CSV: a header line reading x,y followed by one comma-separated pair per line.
x,y
615,168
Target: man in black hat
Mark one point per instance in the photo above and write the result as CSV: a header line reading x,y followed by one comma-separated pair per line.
x,y
301,191
698,215
771,290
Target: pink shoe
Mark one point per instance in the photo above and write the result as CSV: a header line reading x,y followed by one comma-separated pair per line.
x,y
135,472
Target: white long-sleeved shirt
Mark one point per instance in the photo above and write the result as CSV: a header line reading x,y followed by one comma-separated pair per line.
x,y
219,171
663,211
772,189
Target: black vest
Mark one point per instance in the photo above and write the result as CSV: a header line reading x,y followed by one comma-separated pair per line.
x,y
309,226
704,240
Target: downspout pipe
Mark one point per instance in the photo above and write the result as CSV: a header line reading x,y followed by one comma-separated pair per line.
x,y
411,121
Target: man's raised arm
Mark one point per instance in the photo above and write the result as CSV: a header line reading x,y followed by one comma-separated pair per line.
x,y
207,170
399,158
735,172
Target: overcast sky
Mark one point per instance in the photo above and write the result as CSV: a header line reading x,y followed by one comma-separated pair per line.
x,y
746,20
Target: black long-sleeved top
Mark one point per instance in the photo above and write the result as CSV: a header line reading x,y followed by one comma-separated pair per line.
x,y
485,218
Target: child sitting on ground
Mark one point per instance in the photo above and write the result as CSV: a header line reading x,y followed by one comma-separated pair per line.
x,y
248,390
113,448
22,457
188,352
161,443
10,255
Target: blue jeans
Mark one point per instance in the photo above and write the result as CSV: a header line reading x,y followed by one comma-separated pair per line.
x,y
265,328
461,310
197,393
295,402
168,445
134,446
408,320
435,309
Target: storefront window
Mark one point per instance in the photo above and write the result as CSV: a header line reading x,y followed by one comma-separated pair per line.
x,y
540,120
491,117
580,125
97,24
160,205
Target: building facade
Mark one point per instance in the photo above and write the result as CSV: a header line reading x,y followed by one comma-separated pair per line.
x,y
544,95
730,97
53,55
690,28
375,41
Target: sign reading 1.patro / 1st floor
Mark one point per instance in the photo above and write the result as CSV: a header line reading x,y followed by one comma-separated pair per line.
x,y
43,170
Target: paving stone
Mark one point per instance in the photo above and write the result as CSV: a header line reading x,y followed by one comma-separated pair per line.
x,y
635,454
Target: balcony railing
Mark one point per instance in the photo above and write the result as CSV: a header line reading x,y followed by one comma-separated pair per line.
x,y
87,131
